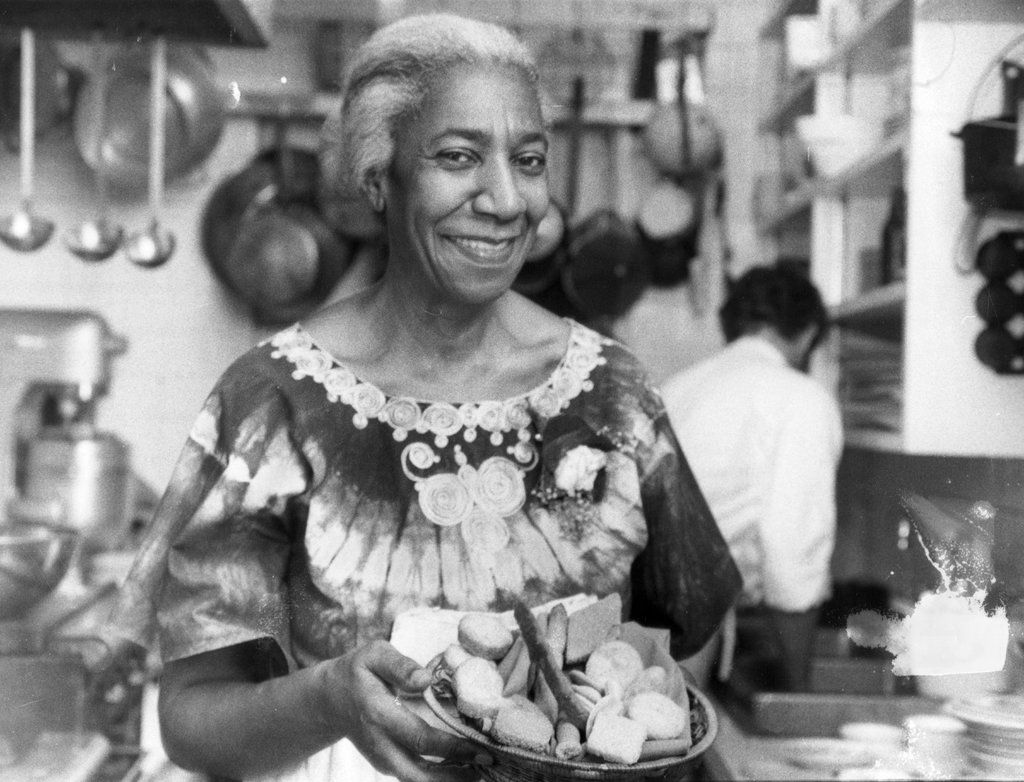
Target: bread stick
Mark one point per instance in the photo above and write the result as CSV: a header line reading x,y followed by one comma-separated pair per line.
x,y
567,741
548,663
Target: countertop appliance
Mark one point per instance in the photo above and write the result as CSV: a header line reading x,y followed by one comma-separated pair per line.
x,y
56,466
68,703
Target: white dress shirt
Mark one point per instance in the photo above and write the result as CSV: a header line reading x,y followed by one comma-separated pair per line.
x,y
764,442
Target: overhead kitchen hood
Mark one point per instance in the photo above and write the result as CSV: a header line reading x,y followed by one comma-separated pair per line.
x,y
211,22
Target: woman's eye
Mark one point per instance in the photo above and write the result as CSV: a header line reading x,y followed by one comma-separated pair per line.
x,y
455,158
532,163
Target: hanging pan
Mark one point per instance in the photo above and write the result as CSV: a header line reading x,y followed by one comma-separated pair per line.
x,y
605,272
683,144
193,115
266,240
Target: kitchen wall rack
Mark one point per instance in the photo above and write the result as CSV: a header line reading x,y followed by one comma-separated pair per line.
x,y
940,398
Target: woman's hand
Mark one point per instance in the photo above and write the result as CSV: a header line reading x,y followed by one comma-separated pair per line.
x,y
385,731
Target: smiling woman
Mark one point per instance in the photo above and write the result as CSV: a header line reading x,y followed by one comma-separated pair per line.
x,y
398,449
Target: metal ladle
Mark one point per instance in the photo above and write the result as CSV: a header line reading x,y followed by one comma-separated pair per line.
x,y
25,231
99,238
152,247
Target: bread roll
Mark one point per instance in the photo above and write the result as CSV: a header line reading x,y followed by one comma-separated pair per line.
x,y
520,723
614,660
616,738
484,635
478,687
660,715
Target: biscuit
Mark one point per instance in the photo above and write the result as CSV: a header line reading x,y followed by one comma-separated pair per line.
x,y
520,723
654,678
615,660
484,635
478,688
662,717
616,738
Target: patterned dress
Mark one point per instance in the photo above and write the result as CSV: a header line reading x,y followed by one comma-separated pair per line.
x,y
310,507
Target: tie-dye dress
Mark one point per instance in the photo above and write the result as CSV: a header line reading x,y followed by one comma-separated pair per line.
x,y
309,507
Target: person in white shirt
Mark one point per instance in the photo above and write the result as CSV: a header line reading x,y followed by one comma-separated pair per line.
x,y
764,439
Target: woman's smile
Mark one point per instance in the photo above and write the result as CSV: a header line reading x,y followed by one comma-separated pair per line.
x,y
487,251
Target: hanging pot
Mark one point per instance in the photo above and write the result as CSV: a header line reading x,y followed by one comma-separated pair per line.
x,y
543,265
194,115
266,241
669,223
605,271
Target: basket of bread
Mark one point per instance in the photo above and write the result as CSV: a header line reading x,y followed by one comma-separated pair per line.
x,y
563,696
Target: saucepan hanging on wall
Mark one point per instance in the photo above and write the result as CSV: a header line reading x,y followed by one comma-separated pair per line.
x,y
684,145
266,240
194,114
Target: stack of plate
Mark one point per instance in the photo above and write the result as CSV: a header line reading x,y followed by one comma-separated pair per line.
x,y
994,741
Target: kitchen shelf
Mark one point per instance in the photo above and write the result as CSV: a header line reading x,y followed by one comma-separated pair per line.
x,y
775,23
861,175
873,440
868,37
316,106
879,304
796,99
667,15
866,40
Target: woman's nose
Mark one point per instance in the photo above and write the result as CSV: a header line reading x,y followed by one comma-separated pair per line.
x,y
499,193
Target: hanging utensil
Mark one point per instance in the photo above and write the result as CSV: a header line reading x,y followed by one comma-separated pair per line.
x,y
152,247
25,231
99,238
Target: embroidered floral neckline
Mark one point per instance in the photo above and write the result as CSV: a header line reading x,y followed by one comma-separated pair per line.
x,y
478,497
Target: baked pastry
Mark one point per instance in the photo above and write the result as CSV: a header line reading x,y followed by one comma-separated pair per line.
x,y
520,723
615,660
478,687
484,635
662,717
454,656
654,678
616,738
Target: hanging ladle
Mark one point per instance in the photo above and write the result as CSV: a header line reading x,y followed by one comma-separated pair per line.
x,y
25,231
99,238
152,247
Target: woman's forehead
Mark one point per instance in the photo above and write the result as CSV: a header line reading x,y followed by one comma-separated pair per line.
x,y
474,97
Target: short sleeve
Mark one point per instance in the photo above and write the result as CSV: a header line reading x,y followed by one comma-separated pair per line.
x,y
211,572
686,574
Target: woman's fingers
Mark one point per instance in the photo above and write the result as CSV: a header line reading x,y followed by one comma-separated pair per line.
x,y
393,667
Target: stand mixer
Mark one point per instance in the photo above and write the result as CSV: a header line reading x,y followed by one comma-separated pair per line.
x,y
55,370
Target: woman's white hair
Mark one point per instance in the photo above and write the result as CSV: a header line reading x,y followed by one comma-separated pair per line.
x,y
389,77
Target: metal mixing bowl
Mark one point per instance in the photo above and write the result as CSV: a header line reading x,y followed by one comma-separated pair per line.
x,y
33,560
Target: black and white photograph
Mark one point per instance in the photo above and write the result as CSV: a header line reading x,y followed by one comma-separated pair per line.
x,y
511,390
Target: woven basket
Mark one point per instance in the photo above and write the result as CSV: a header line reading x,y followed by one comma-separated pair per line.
x,y
512,764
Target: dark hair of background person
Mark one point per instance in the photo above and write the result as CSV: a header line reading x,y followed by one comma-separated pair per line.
x,y
777,296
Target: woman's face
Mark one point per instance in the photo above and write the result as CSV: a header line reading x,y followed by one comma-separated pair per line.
x,y
468,185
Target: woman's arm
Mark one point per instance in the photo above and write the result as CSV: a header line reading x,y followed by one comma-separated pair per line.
x,y
217,717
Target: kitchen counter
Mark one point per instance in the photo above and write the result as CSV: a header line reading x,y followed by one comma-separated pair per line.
x,y
739,755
